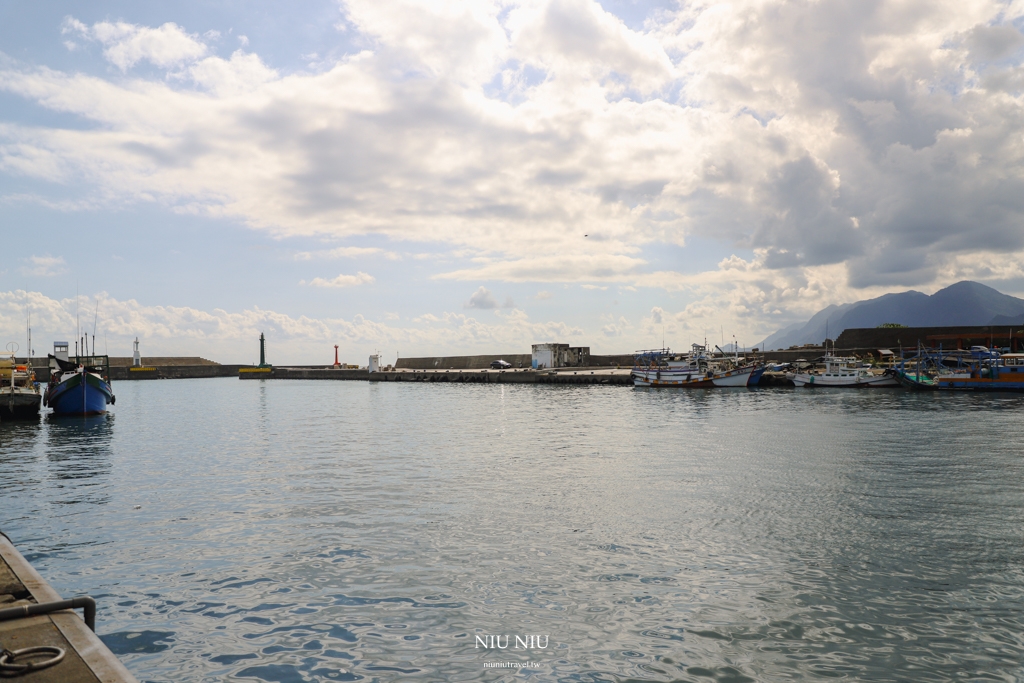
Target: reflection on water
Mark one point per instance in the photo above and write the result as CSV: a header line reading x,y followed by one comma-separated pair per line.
x,y
301,531
18,436
79,448
18,446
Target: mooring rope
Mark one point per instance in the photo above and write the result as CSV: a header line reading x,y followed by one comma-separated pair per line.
x,y
10,667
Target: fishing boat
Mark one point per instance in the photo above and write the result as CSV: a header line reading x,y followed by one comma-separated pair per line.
x,y
843,371
80,386
19,391
695,370
979,369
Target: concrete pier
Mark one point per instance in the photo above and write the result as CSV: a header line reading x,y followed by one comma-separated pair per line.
x,y
601,376
86,659
153,368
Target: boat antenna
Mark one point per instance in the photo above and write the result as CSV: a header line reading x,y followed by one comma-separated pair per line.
x,y
95,317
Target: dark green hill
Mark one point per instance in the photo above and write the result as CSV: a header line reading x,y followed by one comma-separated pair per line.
x,y
965,303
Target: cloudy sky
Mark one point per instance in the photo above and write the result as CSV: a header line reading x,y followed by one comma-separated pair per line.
x,y
420,178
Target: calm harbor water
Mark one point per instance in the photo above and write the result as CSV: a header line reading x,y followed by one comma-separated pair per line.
x,y
342,531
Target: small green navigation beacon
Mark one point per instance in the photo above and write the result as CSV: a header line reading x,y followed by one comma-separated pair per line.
x,y
263,352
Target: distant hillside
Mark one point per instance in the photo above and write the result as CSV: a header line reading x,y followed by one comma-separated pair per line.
x,y
965,303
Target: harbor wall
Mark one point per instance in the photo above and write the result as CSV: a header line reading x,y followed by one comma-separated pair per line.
x,y
173,371
518,360
603,376
163,368
950,337
85,658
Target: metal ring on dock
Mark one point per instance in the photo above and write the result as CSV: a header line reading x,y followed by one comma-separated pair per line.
x,y
9,668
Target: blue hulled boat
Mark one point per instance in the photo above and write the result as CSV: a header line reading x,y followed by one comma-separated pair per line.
x,y
79,387
979,369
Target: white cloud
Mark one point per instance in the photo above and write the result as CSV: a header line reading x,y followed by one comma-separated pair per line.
x,y
241,74
854,147
127,44
346,252
342,280
482,299
44,266
231,336
562,268
617,327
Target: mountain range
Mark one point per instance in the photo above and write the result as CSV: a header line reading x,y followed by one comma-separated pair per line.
x,y
965,303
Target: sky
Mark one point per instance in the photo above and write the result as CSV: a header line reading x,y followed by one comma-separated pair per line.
x,y
426,178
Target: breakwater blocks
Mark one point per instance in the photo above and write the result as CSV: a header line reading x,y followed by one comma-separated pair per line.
x,y
600,376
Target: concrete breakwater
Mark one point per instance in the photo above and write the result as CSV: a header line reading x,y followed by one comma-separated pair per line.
x,y
174,371
605,376
167,368
518,360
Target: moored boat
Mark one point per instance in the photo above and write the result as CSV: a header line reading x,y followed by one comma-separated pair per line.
x,y
696,370
982,370
843,372
79,387
19,392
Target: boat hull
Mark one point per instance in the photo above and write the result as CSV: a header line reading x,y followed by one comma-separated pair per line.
x,y
862,382
668,378
688,379
940,383
755,376
733,378
19,405
75,396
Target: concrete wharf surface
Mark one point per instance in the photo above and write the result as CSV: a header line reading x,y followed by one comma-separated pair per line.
x,y
600,376
86,658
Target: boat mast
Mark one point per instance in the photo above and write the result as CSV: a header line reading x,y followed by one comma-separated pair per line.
x,y
95,317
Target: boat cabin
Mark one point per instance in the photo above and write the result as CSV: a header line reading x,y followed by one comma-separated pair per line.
x,y
1013,362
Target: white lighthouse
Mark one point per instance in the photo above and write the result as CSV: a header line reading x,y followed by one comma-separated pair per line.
x,y
136,358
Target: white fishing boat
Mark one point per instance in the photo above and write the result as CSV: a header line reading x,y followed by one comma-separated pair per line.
x,y
843,371
695,370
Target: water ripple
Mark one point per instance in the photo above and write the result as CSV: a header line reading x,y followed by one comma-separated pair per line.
x,y
306,531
